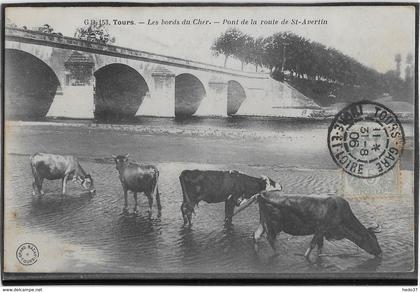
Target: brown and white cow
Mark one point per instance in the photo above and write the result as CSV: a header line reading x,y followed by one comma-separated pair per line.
x,y
53,167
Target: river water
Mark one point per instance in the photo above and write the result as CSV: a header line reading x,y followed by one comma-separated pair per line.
x,y
81,233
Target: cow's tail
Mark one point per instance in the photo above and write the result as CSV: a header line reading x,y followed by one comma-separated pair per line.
x,y
266,222
184,189
186,199
156,190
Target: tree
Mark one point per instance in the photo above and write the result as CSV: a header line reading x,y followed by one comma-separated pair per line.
x,y
256,53
315,69
46,28
9,23
228,44
409,68
409,78
94,32
273,52
397,60
246,49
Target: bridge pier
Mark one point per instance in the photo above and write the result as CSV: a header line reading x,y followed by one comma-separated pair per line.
x,y
257,103
74,102
160,102
215,101
76,99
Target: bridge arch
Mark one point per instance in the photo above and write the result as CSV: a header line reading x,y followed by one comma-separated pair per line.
x,y
119,92
189,92
235,97
30,85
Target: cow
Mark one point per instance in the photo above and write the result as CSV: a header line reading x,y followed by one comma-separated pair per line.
x,y
138,178
324,216
213,186
53,167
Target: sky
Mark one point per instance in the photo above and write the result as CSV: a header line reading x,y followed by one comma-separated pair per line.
x,y
370,34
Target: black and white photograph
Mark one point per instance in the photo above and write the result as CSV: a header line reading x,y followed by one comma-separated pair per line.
x,y
210,141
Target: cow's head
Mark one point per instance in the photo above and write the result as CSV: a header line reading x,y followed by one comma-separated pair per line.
x,y
270,185
86,183
371,244
120,160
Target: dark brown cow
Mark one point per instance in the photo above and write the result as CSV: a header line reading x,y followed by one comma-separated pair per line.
x,y
326,216
138,178
214,186
53,167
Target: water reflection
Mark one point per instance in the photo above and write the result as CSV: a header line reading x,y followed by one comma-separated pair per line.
x,y
188,247
134,240
371,264
54,204
134,224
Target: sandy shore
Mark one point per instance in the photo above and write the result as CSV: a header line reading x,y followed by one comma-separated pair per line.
x,y
184,130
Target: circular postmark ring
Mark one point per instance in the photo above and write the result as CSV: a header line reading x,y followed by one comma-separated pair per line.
x,y
27,254
366,139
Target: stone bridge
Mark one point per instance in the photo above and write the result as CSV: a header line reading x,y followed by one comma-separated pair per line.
x,y
50,75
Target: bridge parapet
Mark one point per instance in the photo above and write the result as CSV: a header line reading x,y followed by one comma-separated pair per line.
x,y
30,36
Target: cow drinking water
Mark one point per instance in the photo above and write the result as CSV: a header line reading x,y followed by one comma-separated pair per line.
x,y
214,186
138,178
327,217
53,167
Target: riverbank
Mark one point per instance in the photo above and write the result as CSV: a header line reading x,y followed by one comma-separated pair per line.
x,y
180,128
295,145
249,129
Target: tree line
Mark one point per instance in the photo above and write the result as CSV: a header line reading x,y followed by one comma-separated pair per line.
x,y
302,61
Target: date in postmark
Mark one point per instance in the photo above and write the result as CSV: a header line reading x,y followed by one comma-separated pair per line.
x,y
366,139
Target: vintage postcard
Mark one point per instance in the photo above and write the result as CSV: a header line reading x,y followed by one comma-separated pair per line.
x,y
210,141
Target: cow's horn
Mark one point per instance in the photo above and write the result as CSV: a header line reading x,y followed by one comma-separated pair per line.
x,y
245,204
113,156
128,154
377,228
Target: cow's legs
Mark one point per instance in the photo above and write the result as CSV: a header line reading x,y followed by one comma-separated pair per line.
x,y
150,199
187,207
41,180
271,237
320,244
317,237
257,236
64,184
229,208
37,183
35,189
159,206
37,186
125,197
135,201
